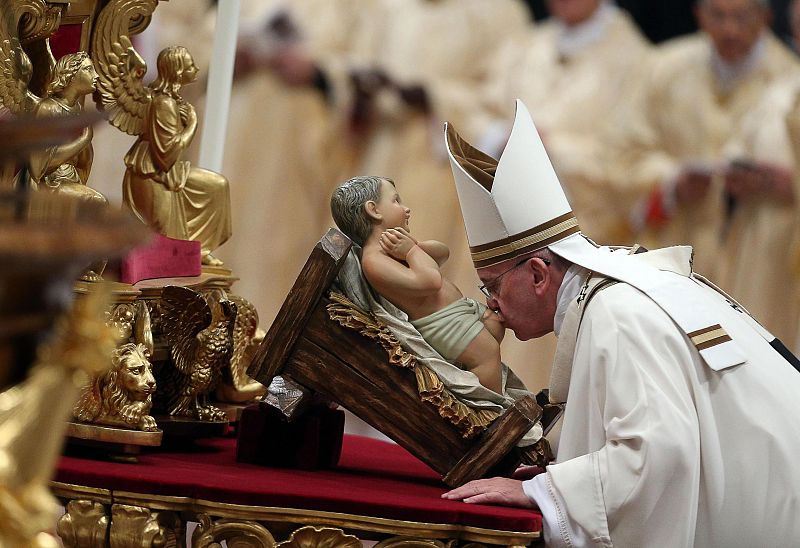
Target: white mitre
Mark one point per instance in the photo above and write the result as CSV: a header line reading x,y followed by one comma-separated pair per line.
x,y
516,205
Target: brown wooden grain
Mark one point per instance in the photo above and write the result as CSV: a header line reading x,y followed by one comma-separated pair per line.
x,y
317,274
498,440
354,371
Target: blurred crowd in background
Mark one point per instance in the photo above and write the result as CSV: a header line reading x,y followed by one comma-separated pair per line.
x,y
669,122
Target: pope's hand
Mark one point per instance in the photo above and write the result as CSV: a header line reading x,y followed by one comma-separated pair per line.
x,y
504,491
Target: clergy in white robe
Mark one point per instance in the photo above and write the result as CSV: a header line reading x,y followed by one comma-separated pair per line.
x,y
762,220
658,449
574,71
282,152
670,144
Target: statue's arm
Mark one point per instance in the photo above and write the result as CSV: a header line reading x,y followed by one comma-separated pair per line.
x,y
389,276
438,251
168,134
46,161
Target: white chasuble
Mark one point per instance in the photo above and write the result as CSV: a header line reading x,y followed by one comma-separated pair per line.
x,y
658,449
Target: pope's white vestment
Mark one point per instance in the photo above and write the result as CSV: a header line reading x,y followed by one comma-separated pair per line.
x,y
659,449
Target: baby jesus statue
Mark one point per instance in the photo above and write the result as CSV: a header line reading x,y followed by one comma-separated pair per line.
x,y
407,273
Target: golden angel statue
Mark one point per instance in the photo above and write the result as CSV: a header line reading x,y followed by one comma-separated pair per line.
x,y
62,168
162,188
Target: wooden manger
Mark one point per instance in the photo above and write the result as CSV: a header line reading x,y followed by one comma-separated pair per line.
x,y
309,344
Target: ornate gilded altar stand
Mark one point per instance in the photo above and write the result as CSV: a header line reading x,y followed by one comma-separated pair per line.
x,y
377,492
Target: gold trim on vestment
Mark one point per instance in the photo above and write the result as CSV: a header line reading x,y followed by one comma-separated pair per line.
x,y
709,336
314,517
536,238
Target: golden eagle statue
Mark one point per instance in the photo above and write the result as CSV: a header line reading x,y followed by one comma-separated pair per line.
x,y
200,337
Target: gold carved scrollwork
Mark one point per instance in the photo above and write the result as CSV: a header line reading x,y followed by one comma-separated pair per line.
x,y
236,385
137,527
320,537
25,55
236,534
349,315
405,542
121,318
469,420
37,20
83,525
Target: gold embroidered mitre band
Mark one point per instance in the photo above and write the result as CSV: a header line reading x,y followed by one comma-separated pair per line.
x,y
511,206
525,242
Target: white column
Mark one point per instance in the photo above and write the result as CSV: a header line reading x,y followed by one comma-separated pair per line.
x,y
220,80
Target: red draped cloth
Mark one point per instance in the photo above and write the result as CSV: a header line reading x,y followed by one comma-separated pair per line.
x,y
374,478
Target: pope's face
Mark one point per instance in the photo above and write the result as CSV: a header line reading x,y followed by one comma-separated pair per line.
x,y
572,12
395,214
733,26
521,296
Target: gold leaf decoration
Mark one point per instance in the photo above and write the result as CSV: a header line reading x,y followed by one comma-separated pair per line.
x,y
469,421
320,537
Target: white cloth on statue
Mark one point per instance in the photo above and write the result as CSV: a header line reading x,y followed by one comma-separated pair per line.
x,y
658,449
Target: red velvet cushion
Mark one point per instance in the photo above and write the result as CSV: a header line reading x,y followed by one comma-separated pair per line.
x,y
162,257
374,478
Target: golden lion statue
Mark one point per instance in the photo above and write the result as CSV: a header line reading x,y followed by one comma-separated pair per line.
x,y
123,395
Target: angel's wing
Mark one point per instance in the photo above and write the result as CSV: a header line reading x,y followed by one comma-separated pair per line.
x,y
15,75
244,332
184,313
120,88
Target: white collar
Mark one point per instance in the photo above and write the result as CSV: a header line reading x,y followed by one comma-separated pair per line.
x,y
574,278
573,40
729,74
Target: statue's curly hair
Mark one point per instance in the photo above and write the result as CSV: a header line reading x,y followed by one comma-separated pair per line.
x,y
65,70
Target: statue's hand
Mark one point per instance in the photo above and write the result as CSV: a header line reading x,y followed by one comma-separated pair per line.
x,y
396,242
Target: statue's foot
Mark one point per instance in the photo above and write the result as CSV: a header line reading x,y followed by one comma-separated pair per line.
x,y
210,260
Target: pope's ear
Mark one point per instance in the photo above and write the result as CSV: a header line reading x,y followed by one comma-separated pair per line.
x,y
371,208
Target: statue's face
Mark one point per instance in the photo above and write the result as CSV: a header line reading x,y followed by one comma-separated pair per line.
x,y
190,71
395,214
85,78
136,377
